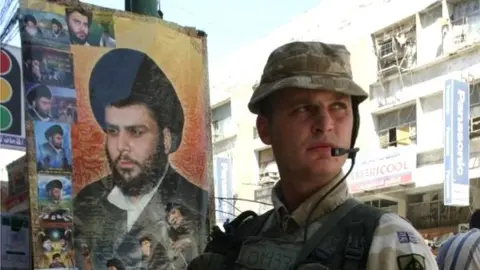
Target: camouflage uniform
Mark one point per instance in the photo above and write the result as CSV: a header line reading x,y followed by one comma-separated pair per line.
x,y
387,244
394,243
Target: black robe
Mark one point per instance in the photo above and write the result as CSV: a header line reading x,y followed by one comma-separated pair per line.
x,y
100,227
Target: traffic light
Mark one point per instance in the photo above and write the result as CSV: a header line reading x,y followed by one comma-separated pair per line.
x,y
10,96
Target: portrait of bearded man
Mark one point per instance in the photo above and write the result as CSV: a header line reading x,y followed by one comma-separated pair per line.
x,y
137,107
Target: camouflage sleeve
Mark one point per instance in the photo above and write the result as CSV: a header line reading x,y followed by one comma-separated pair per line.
x,y
397,245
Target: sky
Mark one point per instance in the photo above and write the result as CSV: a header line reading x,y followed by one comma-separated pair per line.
x,y
229,24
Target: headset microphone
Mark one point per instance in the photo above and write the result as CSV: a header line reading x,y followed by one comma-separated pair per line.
x,y
337,151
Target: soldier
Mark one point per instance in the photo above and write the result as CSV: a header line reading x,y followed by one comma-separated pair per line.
x,y
308,111
462,250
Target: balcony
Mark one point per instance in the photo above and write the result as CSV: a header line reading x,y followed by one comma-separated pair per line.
x,y
462,32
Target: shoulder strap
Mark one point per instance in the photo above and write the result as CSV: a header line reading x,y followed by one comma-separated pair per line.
x,y
252,226
326,227
355,247
360,230
246,224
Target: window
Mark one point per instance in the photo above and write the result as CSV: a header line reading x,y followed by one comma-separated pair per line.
x,y
268,177
268,167
255,133
222,121
475,110
395,47
398,127
265,157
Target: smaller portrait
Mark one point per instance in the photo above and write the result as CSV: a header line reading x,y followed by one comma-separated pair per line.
x,y
50,103
56,246
43,28
54,194
183,244
90,27
53,147
47,66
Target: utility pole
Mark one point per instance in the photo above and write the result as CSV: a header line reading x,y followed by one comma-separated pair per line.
x,y
144,7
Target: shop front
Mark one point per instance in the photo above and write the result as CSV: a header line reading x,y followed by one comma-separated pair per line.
x,y
426,208
380,177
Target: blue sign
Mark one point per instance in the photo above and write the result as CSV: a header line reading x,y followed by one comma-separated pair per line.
x,y
456,112
223,189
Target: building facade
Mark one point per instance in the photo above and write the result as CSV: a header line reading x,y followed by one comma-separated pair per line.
x,y
402,55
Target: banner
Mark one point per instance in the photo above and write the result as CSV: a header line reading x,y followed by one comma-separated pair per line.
x,y
12,125
118,145
383,168
223,189
456,111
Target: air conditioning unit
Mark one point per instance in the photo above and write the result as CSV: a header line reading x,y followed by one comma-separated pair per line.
x,y
475,126
268,178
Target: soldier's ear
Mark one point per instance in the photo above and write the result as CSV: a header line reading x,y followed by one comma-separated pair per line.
x,y
263,129
167,140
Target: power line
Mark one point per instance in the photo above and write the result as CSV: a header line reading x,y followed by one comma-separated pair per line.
x,y
244,200
223,212
233,205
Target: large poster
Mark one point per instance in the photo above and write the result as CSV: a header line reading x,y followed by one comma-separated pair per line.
x,y
118,145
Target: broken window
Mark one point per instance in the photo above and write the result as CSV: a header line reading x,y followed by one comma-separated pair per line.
x,y
398,127
395,48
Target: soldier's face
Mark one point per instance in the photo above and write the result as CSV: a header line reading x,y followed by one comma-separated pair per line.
x,y
304,126
134,147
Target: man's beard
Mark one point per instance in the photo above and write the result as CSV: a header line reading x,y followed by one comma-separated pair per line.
x,y
42,113
150,172
75,40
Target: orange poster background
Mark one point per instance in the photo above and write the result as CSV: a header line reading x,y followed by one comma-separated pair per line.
x,y
180,57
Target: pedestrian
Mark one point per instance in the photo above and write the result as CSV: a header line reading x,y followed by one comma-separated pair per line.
x,y
462,251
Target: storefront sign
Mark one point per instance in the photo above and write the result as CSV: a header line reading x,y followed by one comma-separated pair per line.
x,y
385,168
456,104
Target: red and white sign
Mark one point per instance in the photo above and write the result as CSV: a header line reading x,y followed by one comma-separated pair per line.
x,y
383,168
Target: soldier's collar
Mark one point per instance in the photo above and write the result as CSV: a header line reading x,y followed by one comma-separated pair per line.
x,y
333,200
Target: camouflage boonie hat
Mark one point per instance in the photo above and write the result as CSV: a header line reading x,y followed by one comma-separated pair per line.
x,y
308,65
